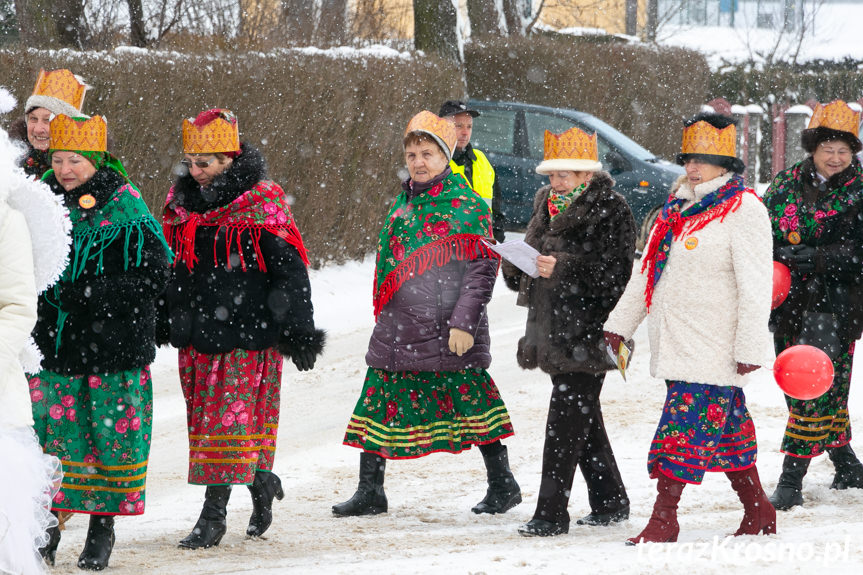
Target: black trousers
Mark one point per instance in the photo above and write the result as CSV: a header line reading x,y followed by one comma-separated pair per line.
x,y
575,436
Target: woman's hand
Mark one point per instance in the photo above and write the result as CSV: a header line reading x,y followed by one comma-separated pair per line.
x,y
744,368
459,341
545,265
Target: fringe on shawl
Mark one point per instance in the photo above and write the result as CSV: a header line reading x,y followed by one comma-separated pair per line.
x,y
680,227
181,238
438,253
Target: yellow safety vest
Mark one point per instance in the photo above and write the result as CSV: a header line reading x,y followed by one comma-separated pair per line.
x,y
483,176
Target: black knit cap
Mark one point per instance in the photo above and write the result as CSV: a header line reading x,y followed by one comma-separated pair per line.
x,y
719,122
811,137
453,107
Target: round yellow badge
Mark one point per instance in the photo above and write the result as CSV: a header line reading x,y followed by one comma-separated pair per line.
x,y
691,243
86,201
793,238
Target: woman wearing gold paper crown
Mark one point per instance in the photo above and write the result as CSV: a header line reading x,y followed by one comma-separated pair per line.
x,y
710,242
585,234
93,400
426,388
56,92
815,208
238,300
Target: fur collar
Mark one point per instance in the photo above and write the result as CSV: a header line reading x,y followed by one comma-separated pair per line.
x,y
101,186
601,184
685,192
810,176
245,171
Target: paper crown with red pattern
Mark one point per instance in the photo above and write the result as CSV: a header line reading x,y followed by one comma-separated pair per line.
x,y
79,134
59,91
704,138
213,131
441,130
837,115
572,151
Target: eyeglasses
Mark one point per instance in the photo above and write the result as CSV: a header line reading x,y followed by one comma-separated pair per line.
x,y
200,164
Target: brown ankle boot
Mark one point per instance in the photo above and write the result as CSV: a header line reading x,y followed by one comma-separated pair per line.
x,y
759,516
662,527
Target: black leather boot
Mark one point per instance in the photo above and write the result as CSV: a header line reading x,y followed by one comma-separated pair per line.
x,y
369,498
789,488
264,488
849,470
503,492
99,544
49,552
211,525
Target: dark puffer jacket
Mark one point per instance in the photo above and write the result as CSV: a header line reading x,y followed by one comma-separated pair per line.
x,y
215,308
111,315
594,243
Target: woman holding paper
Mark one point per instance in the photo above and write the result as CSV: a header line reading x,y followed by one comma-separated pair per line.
x,y
585,234
705,287
427,387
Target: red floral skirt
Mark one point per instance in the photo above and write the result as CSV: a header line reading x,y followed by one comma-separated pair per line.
x,y
232,409
703,428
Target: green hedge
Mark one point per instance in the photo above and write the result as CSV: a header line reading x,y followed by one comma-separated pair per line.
x,y
330,125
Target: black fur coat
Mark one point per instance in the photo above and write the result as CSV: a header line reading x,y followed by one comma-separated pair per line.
x,y
594,243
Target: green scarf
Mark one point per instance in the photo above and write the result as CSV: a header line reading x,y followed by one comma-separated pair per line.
x,y
448,221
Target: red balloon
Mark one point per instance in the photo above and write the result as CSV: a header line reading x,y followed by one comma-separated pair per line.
x,y
803,372
781,283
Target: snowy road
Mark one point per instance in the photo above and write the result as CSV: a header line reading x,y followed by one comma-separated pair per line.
x,y
429,528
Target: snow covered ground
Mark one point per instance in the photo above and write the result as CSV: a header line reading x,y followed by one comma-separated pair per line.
x,y
429,528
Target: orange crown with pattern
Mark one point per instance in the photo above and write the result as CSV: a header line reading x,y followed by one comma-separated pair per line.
x,y
573,144
703,138
212,132
79,135
837,115
59,91
438,128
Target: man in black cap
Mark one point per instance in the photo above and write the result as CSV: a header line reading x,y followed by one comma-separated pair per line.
x,y
472,163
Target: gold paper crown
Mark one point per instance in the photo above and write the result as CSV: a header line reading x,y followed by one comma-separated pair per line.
x,y
441,129
703,138
837,115
79,135
218,136
62,85
573,144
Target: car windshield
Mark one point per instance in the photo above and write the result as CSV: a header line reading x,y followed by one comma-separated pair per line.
x,y
617,138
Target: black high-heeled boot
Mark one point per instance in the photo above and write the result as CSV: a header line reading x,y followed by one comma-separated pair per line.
x,y
99,544
265,487
211,525
49,551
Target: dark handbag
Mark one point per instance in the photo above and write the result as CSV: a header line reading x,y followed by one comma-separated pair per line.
x,y
821,330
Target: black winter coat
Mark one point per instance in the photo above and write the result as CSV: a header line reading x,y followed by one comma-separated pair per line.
x,y
215,308
594,243
836,285
110,325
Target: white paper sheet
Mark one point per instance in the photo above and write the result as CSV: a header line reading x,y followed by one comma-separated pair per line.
x,y
519,254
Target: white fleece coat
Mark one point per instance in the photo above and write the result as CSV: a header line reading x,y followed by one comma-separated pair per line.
x,y
711,305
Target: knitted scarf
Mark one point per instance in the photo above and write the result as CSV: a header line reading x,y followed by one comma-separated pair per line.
x,y
445,222
263,208
672,224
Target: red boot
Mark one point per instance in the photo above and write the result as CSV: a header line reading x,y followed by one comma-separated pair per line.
x,y
759,516
662,527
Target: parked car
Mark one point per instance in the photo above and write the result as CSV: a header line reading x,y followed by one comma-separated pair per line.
x,y
512,135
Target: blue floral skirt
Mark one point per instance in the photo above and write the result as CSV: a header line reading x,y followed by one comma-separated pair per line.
x,y
703,428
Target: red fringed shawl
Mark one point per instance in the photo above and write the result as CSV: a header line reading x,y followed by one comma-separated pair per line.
x,y
263,208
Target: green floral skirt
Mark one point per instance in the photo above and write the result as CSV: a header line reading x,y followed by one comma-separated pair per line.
x,y
100,428
409,414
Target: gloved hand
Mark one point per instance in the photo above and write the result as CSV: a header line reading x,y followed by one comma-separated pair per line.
x,y
800,257
744,368
304,359
74,295
459,341
612,340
